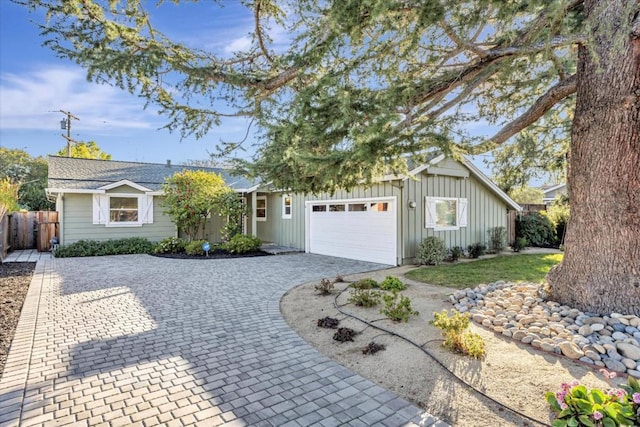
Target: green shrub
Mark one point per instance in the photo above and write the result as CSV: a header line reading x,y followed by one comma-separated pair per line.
x,y
536,228
367,283
476,250
397,307
519,244
131,245
456,336
242,244
559,214
431,251
575,405
454,253
170,245
391,283
497,239
364,297
194,247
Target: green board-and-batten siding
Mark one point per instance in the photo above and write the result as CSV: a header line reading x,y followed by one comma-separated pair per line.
x,y
484,210
450,179
291,232
285,232
77,214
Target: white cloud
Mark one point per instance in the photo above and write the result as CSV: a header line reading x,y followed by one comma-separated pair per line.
x,y
240,44
28,99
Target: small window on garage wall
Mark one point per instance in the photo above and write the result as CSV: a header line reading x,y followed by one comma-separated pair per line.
x,y
379,207
261,208
357,207
445,213
287,207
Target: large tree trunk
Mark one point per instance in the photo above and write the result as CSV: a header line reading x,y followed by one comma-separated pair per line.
x,y
601,268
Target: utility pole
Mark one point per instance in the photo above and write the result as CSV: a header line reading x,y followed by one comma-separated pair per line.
x,y
66,124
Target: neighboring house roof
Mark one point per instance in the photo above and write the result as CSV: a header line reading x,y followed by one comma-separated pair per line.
x,y
554,188
89,175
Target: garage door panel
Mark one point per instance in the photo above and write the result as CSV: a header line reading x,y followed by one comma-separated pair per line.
x,y
363,235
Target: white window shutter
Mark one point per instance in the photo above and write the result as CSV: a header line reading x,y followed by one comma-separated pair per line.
x,y
100,209
146,209
462,212
96,209
430,212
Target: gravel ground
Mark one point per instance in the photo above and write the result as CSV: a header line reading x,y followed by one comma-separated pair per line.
x,y
514,374
14,283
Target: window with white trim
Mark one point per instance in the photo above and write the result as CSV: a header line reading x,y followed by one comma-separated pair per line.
x,y
287,208
261,208
445,213
122,210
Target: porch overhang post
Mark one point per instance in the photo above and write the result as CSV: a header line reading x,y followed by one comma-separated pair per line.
x,y
254,220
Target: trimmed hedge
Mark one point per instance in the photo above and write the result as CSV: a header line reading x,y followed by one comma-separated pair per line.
x,y
131,245
242,244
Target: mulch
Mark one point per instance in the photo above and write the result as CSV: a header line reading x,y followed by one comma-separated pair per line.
x,y
215,254
15,278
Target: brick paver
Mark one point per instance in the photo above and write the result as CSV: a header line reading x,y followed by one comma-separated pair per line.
x,y
140,340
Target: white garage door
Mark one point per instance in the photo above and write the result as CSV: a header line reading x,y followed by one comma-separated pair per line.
x,y
363,229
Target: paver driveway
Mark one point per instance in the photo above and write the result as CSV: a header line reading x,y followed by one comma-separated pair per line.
x,y
140,340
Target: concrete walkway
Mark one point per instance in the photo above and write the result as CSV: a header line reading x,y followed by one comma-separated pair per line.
x,y
140,340
27,255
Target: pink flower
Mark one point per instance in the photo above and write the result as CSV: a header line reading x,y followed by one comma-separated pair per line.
x,y
608,375
636,398
597,415
617,393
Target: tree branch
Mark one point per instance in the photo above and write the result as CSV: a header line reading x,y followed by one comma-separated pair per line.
x,y
450,32
543,104
263,48
440,89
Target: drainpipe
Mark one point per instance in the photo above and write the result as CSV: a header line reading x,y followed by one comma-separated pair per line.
x,y
401,209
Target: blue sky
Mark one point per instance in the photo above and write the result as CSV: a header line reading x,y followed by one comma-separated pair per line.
x,y
35,85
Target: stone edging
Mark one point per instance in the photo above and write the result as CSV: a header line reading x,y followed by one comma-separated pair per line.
x,y
522,313
16,370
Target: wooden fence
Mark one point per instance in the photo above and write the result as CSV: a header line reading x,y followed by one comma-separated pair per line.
x,y
4,237
28,230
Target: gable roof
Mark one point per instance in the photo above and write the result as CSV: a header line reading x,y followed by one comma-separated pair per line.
x,y
554,188
473,169
88,175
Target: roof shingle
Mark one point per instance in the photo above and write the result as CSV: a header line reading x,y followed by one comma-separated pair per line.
x,y
89,174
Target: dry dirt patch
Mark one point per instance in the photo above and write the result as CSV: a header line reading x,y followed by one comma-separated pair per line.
x,y
515,374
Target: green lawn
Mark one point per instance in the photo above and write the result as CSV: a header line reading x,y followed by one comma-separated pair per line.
x,y
510,268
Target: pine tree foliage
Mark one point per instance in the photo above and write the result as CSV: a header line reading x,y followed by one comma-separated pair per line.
x,y
362,82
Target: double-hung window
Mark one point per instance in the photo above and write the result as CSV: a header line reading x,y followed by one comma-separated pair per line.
x,y
123,209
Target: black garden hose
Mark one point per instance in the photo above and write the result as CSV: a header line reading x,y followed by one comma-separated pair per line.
x,y
432,356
